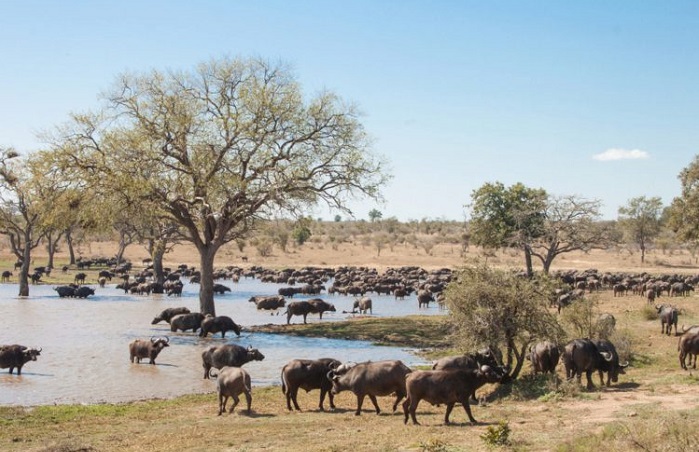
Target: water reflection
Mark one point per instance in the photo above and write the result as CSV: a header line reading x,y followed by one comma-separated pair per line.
x,y
85,355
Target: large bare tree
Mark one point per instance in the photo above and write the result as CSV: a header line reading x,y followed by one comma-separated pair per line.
x,y
219,147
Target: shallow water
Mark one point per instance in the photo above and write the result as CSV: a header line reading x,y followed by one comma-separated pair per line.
x,y
85,356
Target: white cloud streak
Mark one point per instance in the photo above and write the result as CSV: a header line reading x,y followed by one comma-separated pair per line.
x,y
621,154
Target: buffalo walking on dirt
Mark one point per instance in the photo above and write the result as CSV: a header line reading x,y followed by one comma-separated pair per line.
x,y
231,382
308,374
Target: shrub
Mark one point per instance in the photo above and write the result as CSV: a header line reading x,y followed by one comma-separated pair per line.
x,y
497,435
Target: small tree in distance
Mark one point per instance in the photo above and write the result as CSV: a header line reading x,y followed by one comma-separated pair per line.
x,y
375,215
639,219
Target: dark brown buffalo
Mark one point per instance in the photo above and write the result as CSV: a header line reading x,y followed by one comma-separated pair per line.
x,y
65,291
544,357
231,355
668,317
218,324
446,386
469,361
168,314
191,321
142,348
423,298
16,356
303,308
612,367
308,374
380,378
688,346
268,303
582,355
231,382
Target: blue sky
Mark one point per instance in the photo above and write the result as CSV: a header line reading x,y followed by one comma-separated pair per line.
x,y
454,93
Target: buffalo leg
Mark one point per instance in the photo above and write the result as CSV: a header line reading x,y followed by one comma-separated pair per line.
x,y
236,399
222,403
588,374
248,399
332,400
375,402
399,397
412,407
360,402
304,318
450,406
406,404
322,399
467,408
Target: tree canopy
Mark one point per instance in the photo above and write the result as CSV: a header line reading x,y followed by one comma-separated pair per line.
x,y
683,216
640,220
529,219
218,148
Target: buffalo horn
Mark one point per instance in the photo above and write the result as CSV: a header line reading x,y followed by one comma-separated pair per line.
x,y
152,338
167,339
607,356
331,375
624,365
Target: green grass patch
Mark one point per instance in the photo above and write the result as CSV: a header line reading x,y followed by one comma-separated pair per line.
x,y
411,331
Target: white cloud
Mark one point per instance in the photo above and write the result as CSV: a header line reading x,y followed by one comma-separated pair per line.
x,y
621,154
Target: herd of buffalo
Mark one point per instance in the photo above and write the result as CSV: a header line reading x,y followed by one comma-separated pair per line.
x,y
451,380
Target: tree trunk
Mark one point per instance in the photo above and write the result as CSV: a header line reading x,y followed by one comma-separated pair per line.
x,y
528,261
643,252
71,250
24,270
123,243
206,285
158,252
51,247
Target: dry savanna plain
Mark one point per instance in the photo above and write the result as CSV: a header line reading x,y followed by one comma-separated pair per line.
x,y
654,406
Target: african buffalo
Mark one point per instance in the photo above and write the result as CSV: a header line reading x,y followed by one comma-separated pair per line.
x,y
380,378
80,278
582,355
231,382
84,292
141,348
168,314
483,357
6,276
424,297
363,305
65,291
268,303
231,355
668,317
191,321
314,306
218,324
688,346
221,289
308,374
612,367
17,356
446,386
544,357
